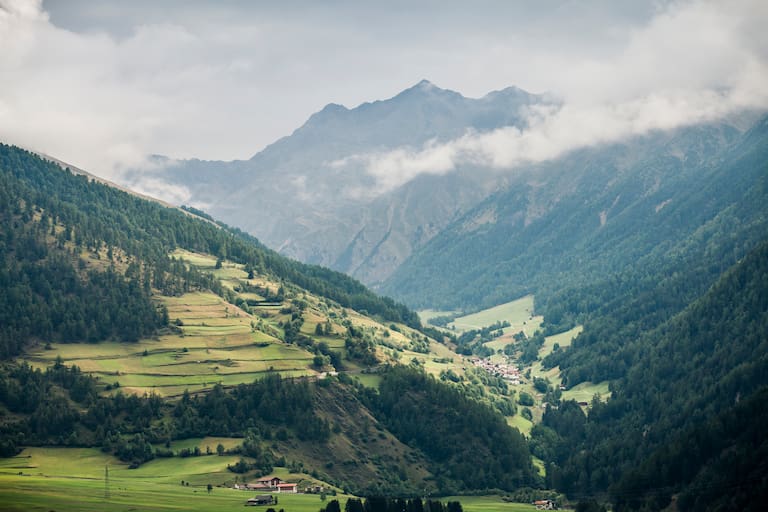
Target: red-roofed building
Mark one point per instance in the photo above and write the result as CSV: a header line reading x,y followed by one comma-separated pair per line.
x,y
286,487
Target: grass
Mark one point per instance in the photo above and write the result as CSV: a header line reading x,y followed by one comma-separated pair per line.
x,y
520,423
519,313
216,345
43,479
426,315
586,390
18,493
73,479
564,339
203,443
369,380
488,504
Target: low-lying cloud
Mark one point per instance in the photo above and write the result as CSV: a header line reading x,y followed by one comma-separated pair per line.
x,y
220,80
694,63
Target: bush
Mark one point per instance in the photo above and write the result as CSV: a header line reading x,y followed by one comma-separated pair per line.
x,y
525,399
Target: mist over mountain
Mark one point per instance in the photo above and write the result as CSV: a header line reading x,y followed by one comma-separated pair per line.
x,y
311,196
577,219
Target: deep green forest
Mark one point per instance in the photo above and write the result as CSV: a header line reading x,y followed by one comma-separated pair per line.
x,y
690,402
669,282
472,442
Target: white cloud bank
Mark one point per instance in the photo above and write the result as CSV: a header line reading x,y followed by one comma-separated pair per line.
x,y
219,80
694,62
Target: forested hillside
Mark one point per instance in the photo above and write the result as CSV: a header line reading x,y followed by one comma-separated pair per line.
x,y
650,205
722,219
437,418
686,416
663,263
52,218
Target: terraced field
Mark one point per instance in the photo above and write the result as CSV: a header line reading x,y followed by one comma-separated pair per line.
x,y
215,344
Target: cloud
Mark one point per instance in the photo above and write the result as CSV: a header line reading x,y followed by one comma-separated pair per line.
x,y
103,84
104,102
694,62
159,188
62,93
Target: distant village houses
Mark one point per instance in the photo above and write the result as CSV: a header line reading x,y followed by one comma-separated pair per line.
x,y
507,371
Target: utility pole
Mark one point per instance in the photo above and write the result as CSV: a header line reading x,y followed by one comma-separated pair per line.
x,y
106,482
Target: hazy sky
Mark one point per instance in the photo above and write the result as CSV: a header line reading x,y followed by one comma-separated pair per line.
x,y
103,83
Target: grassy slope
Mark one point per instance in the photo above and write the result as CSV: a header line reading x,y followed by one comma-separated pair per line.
x,y
218,342
216,345
516,312
73,479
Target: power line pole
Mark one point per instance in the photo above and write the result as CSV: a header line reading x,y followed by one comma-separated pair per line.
x,y
106,482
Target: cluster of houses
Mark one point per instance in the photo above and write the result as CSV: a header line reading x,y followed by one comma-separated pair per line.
x,y
269,484
507,371
274,485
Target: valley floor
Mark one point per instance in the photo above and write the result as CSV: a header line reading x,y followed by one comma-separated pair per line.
x,y
43,479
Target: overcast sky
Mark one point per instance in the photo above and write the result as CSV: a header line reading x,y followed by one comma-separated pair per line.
x,y
103,83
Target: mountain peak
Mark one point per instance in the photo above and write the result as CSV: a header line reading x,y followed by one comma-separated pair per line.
x,y
329,111
425,88
333,108
426,85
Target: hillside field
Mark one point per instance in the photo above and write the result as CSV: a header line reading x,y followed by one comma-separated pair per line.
x,y
518,312
215,345
217,342
44,479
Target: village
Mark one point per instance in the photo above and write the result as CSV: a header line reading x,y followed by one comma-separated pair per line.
x,y
507,370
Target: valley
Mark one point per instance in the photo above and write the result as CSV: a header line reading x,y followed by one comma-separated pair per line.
x,y
592,332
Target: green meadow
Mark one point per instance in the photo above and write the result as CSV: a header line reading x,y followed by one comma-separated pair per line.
x,y
489,504
215,342
520,423
586,390
46,479
518,312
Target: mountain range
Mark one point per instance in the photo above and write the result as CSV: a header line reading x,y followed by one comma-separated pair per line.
x,y
310,196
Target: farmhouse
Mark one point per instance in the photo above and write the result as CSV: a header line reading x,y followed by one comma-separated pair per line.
x,y
272,481
264,484
265,499
290,488
545,505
